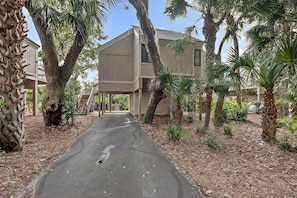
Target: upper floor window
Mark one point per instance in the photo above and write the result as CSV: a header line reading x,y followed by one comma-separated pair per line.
x,y
145,56
197,57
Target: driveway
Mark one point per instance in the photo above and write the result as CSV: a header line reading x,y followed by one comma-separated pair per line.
x,y
114,158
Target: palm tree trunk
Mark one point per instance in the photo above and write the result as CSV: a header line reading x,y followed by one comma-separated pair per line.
x,y
12,75
208,107
218,117
294,110
269,116
179,112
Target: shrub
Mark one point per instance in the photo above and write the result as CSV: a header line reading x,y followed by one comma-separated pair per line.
x,y
233,111
213,142
290,123
189,105
70,102
227,130
174,132
190,118
2,152
284,145
201,129
2,102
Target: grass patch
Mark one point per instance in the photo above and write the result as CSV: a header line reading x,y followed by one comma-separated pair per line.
x,y
213,142
174,132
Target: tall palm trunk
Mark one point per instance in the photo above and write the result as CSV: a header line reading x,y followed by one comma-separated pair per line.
x,y
209,31
294,110
218,117
12,75
208,107
179,112
269,116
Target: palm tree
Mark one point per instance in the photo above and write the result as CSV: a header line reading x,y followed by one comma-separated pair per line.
x,y
266,72
82,17
287,54
12,75
213,13
221,77
180,88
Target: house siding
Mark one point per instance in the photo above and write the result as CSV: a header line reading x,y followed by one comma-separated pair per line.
x,y
30,57
121,70
117,61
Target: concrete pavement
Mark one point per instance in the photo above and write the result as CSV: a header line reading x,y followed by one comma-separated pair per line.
x,y
115,159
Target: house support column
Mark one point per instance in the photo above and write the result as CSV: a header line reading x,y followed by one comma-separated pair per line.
x,y
99,104
103,103
35,99
110,102
129,103
258,93
139,103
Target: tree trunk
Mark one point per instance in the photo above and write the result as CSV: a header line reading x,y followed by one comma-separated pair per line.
x,y
209,32
200,106
52,102
294,110
179,112
156,97
208,107
12,75
148,30
57,76
269,116
219,117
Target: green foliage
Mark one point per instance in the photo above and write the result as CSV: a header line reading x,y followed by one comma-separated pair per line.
x,y
189,105
2,152
232,111
121,99
290,123
285,145
70,102
227,130
213,142
2,102
190,118
174,132
41,91
201,129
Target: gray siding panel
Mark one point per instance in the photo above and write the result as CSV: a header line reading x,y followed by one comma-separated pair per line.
x,y
116,61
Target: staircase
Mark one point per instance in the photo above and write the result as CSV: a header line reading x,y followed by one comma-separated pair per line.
x,y
85,103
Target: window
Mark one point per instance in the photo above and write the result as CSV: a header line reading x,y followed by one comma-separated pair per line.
x,y
197,57
145,56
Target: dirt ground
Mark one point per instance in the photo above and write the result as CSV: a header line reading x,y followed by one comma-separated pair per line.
x,y
243,166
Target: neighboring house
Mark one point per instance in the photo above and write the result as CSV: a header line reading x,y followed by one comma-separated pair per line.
x,y
125,67
34,75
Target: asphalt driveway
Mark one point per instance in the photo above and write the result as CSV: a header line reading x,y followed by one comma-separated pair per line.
x,y
114,158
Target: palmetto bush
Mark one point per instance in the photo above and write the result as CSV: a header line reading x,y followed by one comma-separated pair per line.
x,y
174,132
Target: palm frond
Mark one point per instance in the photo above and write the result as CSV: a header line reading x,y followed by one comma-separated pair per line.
x,y
176,8
179,47
287,53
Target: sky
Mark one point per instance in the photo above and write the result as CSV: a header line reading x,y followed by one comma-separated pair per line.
x,y
119,20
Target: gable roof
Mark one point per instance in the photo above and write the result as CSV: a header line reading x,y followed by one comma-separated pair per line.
x,y
160,34
167,34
